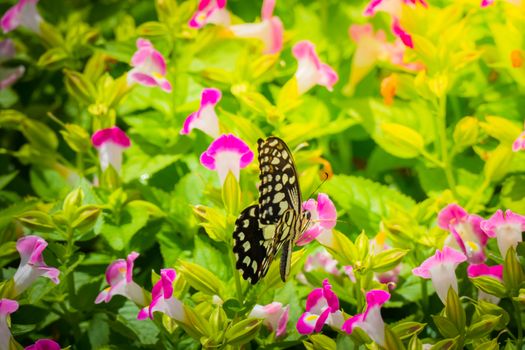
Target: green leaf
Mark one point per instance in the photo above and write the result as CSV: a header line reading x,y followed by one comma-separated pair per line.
x,y
454,310
483,326
501,129
489,345
401,141
195,325
498,162
37,220
322,342
490,285
79,87
445,344
415,343
365,201
446,327
201,279
231,194
214,223
513,193
466,133
408,329
392,340
387,259
342,249
512,272
6,179
362,246
242,332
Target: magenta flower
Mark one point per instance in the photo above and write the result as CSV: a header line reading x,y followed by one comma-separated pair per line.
x,y
110,143
322,307
323,216
205,118
210,11
506,228
441,268
275,316
162,299
7,307
149,66
119,276
226,154
270,30
465,232
485,3
370,321
32,264
310,70
495,271
519,143
8,75
44,344
24,14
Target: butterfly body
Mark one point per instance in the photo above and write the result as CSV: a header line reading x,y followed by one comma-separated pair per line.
x,y
277,221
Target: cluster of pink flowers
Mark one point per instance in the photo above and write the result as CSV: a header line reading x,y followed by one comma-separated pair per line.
x,y
32,266
467,241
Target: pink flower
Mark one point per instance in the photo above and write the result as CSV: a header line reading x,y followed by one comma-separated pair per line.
x,y
210,11
321,260
506,228
465,232
7,307
110,143
270,30
119,276
485,3
310,70
32,264
8,75
322,307
370,321
495,271
24,14
441,269
275,316
323,216
226,154
519,143
44,344
149,66
349,271
205,118
162,299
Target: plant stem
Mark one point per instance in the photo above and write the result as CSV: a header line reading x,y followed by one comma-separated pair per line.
x,y
517,310
424,295
237,278
442,132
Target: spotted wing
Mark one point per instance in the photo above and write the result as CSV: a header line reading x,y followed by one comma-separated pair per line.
x,y
279,188
253,244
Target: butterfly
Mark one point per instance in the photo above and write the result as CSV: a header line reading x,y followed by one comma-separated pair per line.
x,y
277,221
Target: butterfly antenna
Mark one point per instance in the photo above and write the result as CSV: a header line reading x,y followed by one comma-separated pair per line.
x,y
319,186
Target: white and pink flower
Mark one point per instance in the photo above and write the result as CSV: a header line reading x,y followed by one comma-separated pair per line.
x,y
323,217
506,228
495,272
322,307
519,143
23,14
8,75
210,11
205,118
225,154
44,344
465,232
370,321
149,66
7,307
110,143
32,264
275,316
269,31
441,268
162,299
322,260
310,70
119,276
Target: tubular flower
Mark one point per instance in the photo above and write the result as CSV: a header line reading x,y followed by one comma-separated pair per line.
x,y
275,316
465,232
32,264
519,143
44,344
7,307
270,30
8,75
310,70
149,66
24,14
441,269
162,299
495,271
506,228
226,154
110,143
370,321
323,216
322,307
205,118
210,11
119,276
